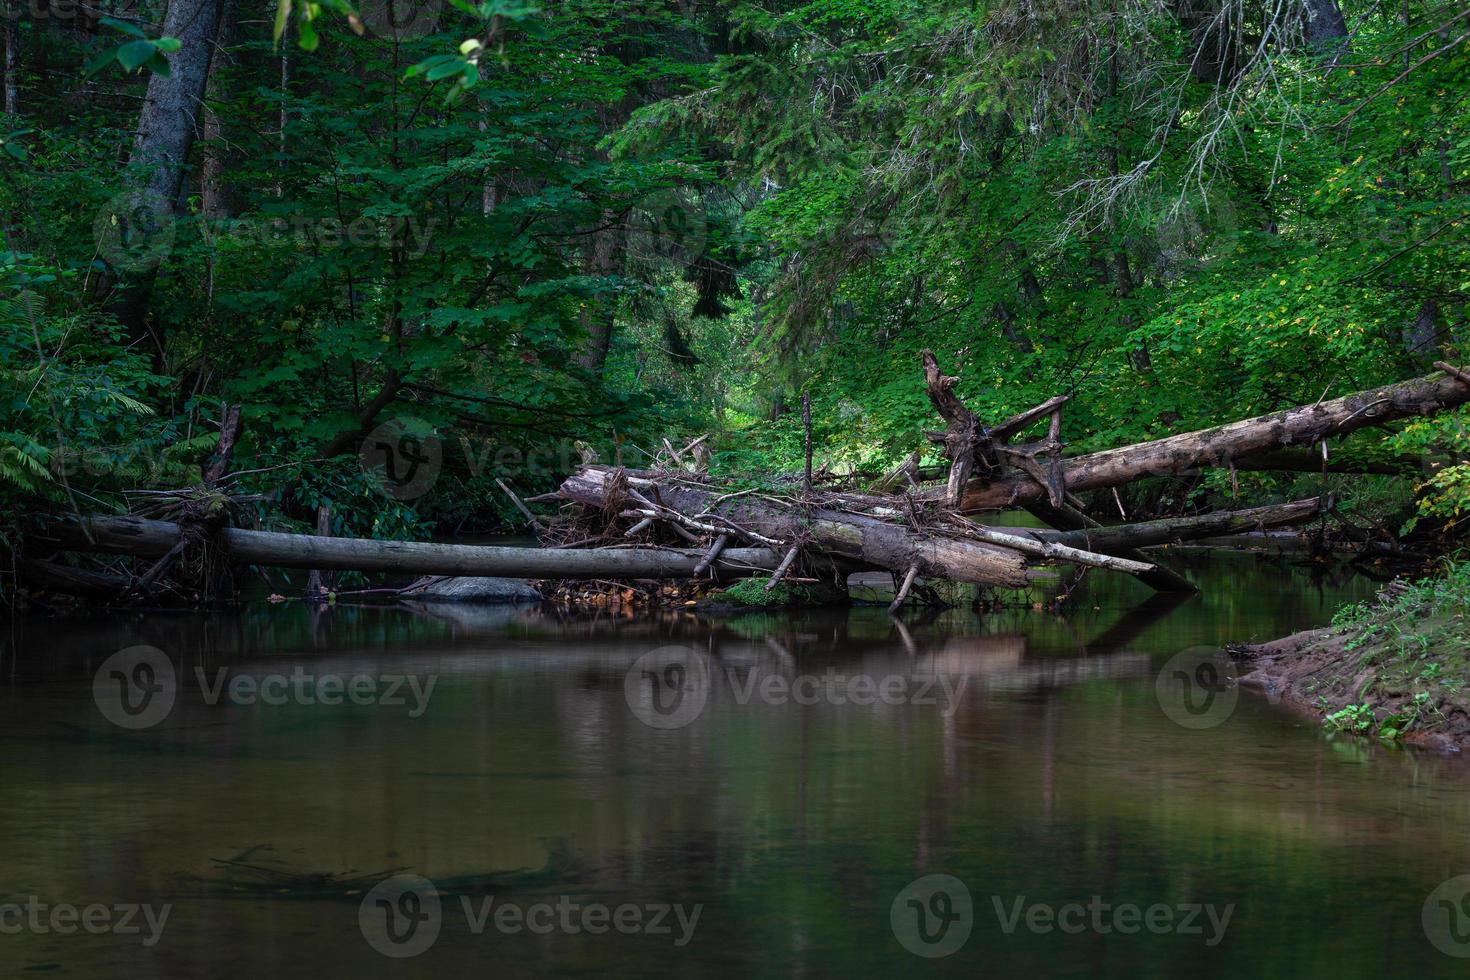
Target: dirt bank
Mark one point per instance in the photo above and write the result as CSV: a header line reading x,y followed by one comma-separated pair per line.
x,y
1395,669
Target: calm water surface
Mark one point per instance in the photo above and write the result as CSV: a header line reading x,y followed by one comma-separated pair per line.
x,y
1052,776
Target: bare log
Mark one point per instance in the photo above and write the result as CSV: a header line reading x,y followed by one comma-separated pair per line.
x,y
857,538
144,538
1222,444
320,584
1178,529
85,582
903,590
962,434
1160,578
782,568
1052,548
906,473
713,553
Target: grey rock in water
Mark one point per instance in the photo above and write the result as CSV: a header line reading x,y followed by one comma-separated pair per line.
x,y
472,589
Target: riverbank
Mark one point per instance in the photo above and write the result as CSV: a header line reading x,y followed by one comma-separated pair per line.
x,y
1396,668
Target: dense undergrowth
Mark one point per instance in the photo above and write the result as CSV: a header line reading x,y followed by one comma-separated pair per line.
x,y
647,220
1406,658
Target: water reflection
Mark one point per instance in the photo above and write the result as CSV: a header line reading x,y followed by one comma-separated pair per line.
x,y
1049,773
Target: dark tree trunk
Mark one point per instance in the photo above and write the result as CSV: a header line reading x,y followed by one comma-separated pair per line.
x,y
604,257
12,57
218,199
1325,29
166,129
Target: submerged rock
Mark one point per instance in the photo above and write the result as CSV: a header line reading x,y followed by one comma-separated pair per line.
x,y
472,589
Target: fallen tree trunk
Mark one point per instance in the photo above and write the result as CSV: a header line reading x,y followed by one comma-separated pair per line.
x,y
828,532
1220,445
1160,578
55,577
1110,540
151,539
858,538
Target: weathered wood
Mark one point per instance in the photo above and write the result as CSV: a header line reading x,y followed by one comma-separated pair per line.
x,y
906,473
320,584
962,434
531,519
1057,550
56,577
1178,529
782,568
1220,445
714,552
1160,578
1017,423
857,538
144,538
218,464
903,590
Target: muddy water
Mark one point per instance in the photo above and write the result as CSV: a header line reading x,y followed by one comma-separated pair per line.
x,y
1084,828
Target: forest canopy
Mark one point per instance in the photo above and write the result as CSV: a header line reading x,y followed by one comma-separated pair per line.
x,y
544,232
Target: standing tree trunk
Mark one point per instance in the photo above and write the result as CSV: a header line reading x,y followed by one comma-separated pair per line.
x,y
12,57
1325,29
166,128
598,317
218,201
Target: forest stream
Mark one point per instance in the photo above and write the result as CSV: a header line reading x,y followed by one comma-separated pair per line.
x,y
503,754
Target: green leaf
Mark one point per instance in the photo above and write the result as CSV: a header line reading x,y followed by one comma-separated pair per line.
x,y
122,25
428,64
135,53
451,67
306,36
100,62
169,44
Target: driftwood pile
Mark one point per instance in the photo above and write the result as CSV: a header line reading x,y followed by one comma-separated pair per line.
x,y
674,520
914,530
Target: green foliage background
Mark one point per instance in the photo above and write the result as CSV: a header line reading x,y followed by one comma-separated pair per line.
x,y
760,200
